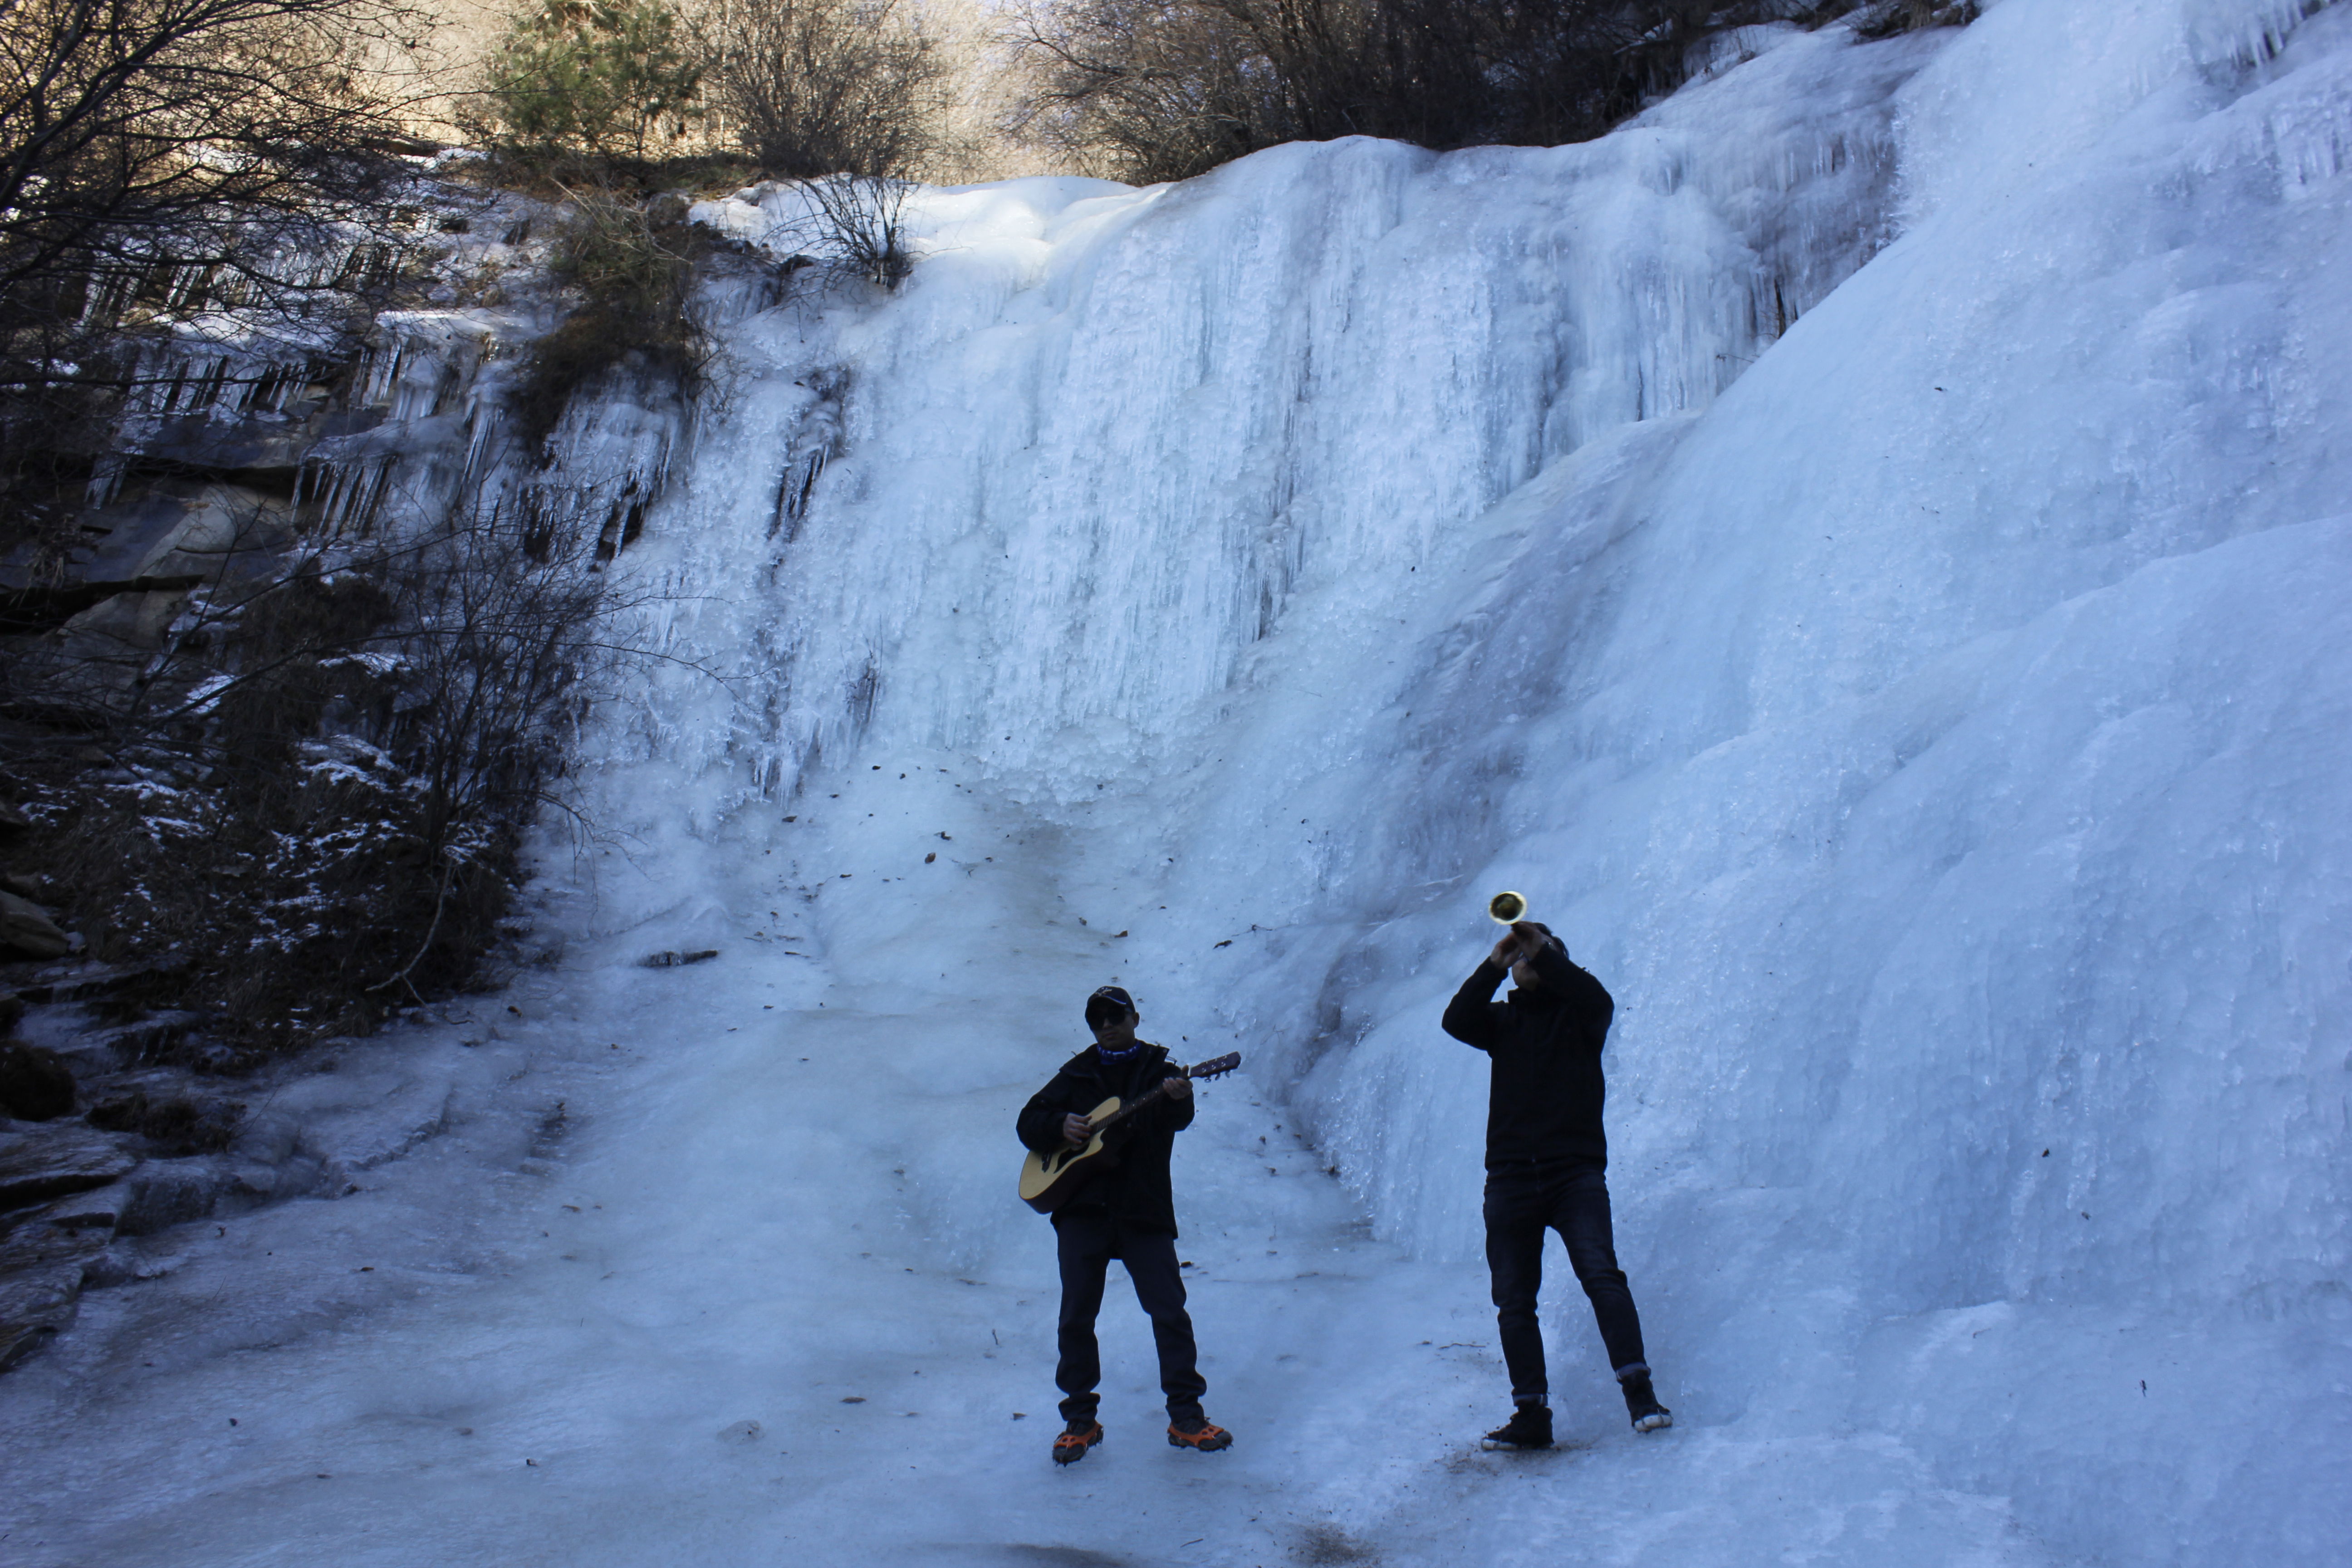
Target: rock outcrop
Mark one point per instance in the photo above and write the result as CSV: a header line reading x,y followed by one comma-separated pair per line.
x,y
35,1085
26,931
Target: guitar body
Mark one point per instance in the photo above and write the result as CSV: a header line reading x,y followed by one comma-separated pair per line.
x,y
1047,1181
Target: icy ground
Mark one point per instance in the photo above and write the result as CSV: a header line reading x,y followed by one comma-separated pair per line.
x,y
639,1350
1863,548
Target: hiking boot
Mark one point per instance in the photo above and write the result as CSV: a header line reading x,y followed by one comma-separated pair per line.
x,y
1641,1401
1528,1427
1076,1439
1195,1432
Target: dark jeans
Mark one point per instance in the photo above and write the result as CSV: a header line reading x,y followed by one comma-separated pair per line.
x,y
1087,1242
1572,1198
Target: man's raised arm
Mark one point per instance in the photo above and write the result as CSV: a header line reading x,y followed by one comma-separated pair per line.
x,y
1470,1017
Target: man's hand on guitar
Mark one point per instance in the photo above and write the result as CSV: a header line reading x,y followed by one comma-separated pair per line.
x,y
1049,1176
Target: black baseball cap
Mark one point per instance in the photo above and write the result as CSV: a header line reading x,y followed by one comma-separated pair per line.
x,y
1109,1004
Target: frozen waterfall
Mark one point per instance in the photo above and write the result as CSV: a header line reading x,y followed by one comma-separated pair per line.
x,y
1863,547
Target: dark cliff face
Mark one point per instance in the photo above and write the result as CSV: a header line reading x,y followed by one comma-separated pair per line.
x,y
282,679
291,652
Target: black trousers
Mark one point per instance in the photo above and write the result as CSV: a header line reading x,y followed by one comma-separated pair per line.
x,y
1572,1198
1088,1243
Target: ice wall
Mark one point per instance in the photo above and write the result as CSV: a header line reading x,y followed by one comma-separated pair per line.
x,y
1144,419
1911,674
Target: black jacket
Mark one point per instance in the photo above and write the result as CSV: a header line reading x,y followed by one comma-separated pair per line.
x,y
1135,1192
1544,1099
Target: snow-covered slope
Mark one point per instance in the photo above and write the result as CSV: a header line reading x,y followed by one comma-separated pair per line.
x,y
1861,547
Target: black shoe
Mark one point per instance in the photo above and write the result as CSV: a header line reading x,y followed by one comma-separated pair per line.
x,y
1528,1427
1199,1434
1076,1439
1642,1402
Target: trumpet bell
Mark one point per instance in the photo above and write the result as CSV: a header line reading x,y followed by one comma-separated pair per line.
x,y
1504,908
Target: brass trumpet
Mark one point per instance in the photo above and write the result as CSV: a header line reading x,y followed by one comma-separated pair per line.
x,y
1505,908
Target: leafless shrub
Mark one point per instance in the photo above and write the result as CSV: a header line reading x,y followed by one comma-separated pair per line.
x,y
859,222
171,156
1148,93
1156,89
813,88
628,263
314,792
1887,18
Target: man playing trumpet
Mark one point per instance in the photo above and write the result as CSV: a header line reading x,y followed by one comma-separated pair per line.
x,y
1546,1156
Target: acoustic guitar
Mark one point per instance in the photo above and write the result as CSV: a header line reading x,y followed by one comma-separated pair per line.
x,y
1048,1180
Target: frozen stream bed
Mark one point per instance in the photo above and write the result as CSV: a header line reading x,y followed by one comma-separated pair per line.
x,y
635,1343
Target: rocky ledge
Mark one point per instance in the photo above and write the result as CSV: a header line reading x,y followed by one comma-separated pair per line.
x,y
111,1130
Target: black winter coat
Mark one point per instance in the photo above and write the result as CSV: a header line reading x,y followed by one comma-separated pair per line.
x,y
1544,1099
1135,1192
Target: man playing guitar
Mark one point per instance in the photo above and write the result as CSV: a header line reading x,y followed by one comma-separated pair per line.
x,y
1127,1212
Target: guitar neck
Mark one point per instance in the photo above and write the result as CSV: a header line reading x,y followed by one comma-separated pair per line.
x,y
1158,1091
1224,1064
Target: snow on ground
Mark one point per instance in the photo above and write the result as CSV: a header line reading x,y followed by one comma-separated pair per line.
x,y
1929,722
639,1350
